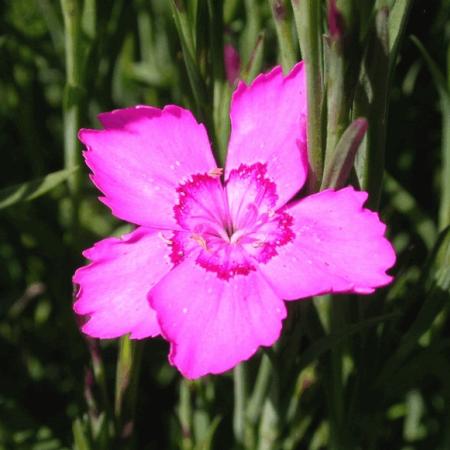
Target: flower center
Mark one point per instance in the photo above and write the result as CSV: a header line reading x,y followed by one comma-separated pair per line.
x,y
229,229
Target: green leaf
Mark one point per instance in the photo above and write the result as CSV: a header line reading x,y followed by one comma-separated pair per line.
x,y
444,97
240,400
338,167
33,189
307,14
325,344
440,271
79,435
287,51
254,64
184,28
88,18
371,101
206,444
252,30
397,22
438,76
127,378
406,204
436,280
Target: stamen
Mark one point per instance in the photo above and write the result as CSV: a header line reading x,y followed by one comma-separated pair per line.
x,y
236,226
200,241
258,244
216,172
164,239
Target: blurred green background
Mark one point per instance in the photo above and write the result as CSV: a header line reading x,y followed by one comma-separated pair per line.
x,y
132,55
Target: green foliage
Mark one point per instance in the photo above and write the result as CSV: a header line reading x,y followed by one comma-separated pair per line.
x,y
33,189
349,372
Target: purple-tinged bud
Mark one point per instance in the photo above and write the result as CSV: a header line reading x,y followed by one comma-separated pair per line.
x,y
279,10
232,63
335,21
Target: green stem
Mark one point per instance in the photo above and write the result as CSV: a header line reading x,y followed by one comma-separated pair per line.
x,y
53,21
371,101
442,82
398,18
308,22
335,379
270,423
72,105
252,30
259,392
444,210
220,90
188,47
240,401
79,436
127,378
284,35
99,374
185,414
338,99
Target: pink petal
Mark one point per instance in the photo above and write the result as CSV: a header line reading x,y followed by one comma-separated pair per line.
x,y
120,118
214,324
268,125
140,158
113,288
339,247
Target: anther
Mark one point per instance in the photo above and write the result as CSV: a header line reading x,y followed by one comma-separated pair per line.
x,y
258,244
164,239
216,172
200,241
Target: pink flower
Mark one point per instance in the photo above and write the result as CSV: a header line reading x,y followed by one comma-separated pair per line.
x,y
210,264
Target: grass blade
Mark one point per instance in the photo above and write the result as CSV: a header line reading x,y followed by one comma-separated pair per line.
x,y
339,162
30,190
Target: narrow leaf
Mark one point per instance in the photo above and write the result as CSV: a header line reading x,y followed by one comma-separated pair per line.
x,y
33,189
127,378
325,344
406,204
397,22
206,444
444,97
79,436
339,165
436,280
438,76
371,101
307,14
287,50
184,28
254,64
